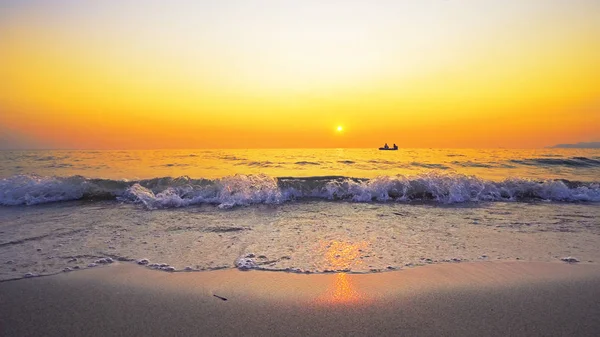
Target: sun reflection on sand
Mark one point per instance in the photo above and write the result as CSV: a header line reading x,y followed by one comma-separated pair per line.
x,y
343,290
342,256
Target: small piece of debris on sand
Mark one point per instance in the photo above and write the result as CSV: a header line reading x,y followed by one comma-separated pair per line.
x,y
219,297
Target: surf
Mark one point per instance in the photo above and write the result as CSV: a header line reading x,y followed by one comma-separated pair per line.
x,y
239,190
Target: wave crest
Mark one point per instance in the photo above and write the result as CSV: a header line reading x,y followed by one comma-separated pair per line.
x,y
168,192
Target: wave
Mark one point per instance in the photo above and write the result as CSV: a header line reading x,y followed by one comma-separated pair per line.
x,y
430,165
259,164
307,163
472,164
230,157
572,162
168,192
173,165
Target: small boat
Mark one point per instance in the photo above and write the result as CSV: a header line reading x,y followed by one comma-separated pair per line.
x,y
387,148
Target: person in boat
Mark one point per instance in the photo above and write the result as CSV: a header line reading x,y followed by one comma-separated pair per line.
x,y
395,146
386,146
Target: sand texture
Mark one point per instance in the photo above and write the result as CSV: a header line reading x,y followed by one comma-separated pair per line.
x,y
466,299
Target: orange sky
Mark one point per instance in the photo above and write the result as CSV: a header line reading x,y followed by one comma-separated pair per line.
x,y
185,74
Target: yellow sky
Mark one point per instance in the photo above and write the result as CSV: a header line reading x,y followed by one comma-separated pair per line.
x,y
191,74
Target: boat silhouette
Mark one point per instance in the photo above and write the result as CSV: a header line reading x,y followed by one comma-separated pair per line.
x,y
387,148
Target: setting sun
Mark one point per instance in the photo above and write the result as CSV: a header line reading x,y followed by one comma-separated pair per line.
x,y
73,78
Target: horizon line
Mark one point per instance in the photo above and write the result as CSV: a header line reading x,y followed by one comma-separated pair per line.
x,y
289,148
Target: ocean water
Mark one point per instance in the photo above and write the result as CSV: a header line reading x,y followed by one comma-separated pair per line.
x,y
296,210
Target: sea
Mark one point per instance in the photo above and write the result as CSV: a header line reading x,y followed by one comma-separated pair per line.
x,y
295,210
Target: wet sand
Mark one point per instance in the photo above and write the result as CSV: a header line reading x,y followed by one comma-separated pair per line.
x,y
460,299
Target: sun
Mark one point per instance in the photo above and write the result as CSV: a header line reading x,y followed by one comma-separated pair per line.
x,y
339,128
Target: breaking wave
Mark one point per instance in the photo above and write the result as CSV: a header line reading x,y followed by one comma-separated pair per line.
x,y
237,190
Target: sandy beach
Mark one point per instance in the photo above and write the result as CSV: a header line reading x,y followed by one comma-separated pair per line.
x,y
460,299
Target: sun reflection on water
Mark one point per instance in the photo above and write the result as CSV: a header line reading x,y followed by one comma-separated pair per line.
x,y
342,256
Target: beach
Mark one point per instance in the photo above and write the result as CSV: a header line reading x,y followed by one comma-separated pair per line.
x,y
459,299
300,243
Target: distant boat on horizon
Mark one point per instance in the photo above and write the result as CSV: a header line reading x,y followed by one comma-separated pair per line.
x,y
387,148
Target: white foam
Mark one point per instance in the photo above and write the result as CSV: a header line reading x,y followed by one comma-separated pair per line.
x,y
246,263
105,260
32,189
240,189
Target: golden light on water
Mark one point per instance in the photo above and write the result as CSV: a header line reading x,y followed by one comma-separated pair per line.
x,y
341,255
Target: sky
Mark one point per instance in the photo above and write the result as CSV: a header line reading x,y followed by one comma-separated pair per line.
x,y
123,74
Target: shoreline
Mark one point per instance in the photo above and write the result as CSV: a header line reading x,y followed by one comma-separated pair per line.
x,y
132,263
470,298
360,237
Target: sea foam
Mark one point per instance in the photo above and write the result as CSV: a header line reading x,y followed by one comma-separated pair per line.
x,y
167,192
